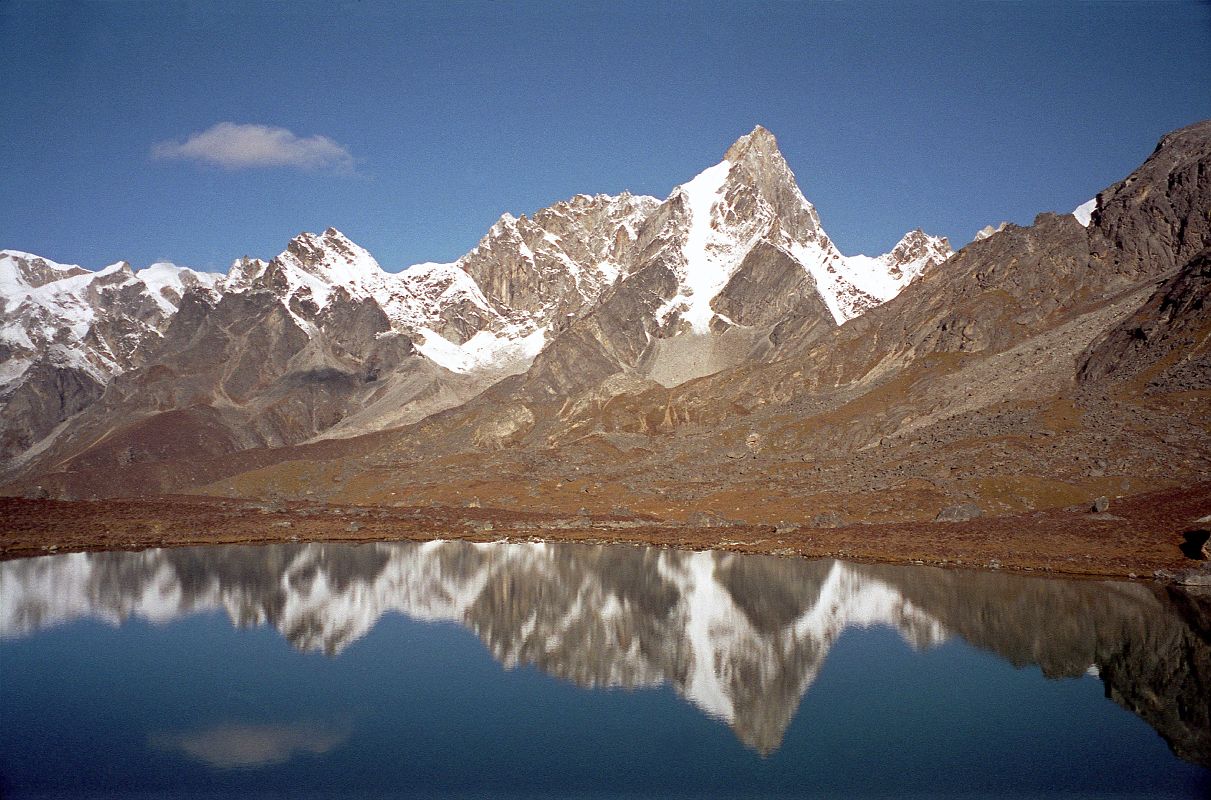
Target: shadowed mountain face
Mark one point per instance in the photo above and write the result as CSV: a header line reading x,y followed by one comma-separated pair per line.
x,y
741,637
1168,339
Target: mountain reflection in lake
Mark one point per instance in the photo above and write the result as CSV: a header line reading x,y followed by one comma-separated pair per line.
x,y
742,638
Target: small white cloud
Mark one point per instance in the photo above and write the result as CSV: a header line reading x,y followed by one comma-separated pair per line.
x,y
235,146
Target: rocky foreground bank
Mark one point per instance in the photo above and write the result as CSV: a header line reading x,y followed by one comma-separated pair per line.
x,y
1157,536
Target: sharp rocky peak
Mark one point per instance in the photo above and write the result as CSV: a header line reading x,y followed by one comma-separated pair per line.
x,y
757,167
917,244
719,217
915,253
757,144
326,250
320,262
752,199
756,159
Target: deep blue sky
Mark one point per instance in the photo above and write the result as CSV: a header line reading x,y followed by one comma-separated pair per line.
x,y
947,116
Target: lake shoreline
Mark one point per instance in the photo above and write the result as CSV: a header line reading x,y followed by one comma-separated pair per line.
x,y
1137,537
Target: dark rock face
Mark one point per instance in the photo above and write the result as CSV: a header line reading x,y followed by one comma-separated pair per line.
x,y
769,288
46,395
1166,341
562,258
1156,219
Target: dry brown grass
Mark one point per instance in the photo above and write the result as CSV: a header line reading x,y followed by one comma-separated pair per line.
x,y
1140,536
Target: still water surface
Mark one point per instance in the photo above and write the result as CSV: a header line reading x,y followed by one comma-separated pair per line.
x,y
452,669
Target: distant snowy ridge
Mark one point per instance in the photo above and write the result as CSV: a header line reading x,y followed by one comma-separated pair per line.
x,y
421,300
71,317
168,282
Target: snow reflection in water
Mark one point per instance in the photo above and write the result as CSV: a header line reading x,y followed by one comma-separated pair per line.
x,y
741,637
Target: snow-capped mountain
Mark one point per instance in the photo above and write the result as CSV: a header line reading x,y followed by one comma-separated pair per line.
x,y
66,331
752,198
74,317
491,310
614,280
720,266
526,275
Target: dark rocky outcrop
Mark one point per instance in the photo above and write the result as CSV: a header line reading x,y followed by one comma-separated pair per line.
x,y
46,395
1167,341
770,288
1156,219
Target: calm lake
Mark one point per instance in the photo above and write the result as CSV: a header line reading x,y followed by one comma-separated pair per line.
x,y
517,670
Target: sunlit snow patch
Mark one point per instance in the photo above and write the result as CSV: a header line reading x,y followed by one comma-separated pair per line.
x,y
485,350
164,275
706,256
1084,212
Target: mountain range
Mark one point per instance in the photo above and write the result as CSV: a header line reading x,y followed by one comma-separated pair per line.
x,y
713,353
